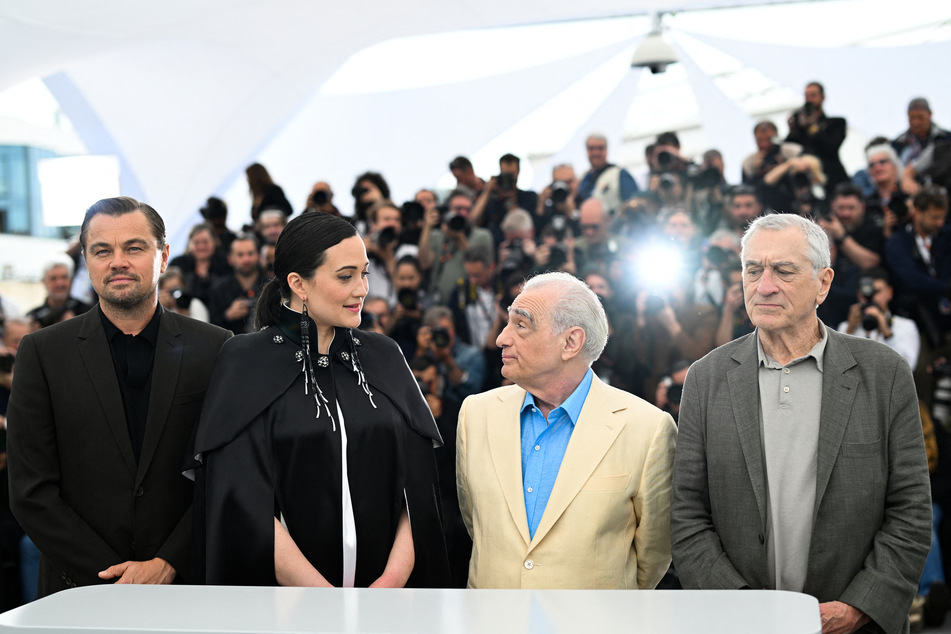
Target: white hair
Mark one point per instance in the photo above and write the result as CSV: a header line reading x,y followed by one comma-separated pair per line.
x,y
577,305
57,262
889,153
817,241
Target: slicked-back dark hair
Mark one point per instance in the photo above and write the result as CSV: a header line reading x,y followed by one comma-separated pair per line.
x,y
301,248
118,207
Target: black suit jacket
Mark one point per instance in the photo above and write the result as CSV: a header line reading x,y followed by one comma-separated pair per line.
x,y
75,487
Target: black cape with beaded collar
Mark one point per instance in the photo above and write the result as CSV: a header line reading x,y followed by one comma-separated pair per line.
x,y
264,453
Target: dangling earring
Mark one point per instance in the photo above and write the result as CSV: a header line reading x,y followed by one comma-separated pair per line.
x,y
310,379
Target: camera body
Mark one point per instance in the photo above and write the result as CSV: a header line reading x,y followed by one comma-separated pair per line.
x,y
456,222
867,292
506,181
440,337
407,298
183,299
319,198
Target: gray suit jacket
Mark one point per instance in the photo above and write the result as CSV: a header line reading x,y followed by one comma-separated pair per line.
x,y
872,515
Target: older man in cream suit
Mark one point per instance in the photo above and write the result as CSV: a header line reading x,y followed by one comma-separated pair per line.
x,y
564,482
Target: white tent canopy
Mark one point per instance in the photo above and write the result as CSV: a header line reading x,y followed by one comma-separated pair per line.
x,y
186,94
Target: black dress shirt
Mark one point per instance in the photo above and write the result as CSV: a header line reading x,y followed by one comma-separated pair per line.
x,y
133,357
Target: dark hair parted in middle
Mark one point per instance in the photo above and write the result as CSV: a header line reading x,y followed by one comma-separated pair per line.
x,y
301,248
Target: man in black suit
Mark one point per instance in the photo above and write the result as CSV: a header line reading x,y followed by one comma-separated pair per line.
x,y
819,135
101,416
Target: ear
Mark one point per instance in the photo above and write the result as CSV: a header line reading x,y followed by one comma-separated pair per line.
x,y
574,341
165,252
296,284
825,282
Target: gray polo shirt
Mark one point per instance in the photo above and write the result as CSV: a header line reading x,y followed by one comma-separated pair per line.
x,y
790,399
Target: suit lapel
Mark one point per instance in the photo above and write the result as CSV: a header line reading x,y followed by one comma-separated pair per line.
x,y
595,432
744,395
97,357
838,393
505,447
165,371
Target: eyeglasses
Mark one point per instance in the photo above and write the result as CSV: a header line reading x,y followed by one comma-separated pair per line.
x,y
879,162
460,208
592,227
597,147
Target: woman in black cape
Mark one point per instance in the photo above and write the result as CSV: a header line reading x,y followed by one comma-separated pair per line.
x,y
315,443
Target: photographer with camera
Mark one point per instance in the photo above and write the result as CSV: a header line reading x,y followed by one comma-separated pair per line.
x,y
859,244
819,135
321,199
919,259
443,240
798,182
174,295
466,179
706,191
472,302
871,317
767,156
607,182
889,200
500,195
558,199
369,188
215,213
517,249
556,249
597,247
59,305
385,246
270,224
461,366
234,298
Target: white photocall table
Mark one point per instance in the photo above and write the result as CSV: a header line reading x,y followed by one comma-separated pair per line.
x,y
200,609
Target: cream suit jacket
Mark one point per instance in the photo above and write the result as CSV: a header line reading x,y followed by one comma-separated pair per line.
x,y
607,522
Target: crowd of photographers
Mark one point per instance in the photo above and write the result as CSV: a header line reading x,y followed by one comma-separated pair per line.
x,y
662,253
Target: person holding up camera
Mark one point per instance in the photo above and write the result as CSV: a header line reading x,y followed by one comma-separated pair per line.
x,y
819,135
174,296
234,298
871,317
385,247
558,199
500,195
321,199
444,239
461,366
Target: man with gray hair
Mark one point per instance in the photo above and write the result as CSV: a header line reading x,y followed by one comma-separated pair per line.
x,y
921,132
609,183
58,305
800,463
563,481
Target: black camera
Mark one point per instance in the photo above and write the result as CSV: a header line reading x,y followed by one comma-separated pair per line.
x,y
183,299
385,237
456,222
513,260
558,257
506,181
703,178
666,160
867,292
440,337
654,304
358,191
319,198
667,181
808,109
675,392
6,363
407,298
412,212
560,190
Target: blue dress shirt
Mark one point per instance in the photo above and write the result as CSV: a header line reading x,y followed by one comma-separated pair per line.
x,y
543,447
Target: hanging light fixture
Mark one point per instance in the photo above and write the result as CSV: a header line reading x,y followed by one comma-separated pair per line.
x,y
654,52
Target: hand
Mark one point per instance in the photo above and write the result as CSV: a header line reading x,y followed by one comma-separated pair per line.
x,y
238,310
855,318
734,298
152,571
542,255
833,227
840,618
432,218
424,340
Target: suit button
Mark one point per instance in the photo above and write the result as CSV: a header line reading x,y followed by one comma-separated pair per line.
x,y
529,564
139,492
762,539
